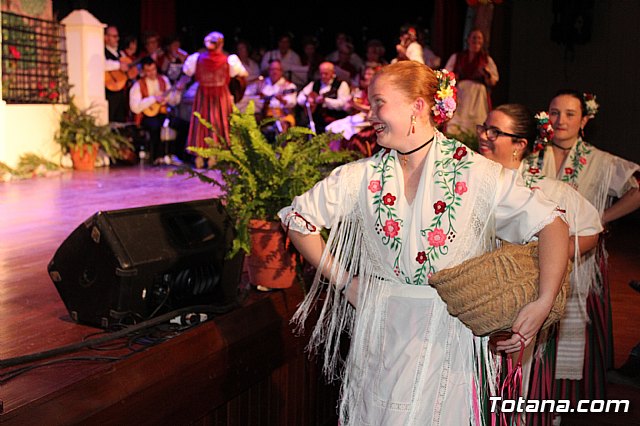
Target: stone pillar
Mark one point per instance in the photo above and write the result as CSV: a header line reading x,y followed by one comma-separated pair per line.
x,y
85,59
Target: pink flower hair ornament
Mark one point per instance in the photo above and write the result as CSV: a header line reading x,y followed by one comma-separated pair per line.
x,y
445,98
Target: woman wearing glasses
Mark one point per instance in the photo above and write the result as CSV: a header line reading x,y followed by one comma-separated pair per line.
x,y
508,136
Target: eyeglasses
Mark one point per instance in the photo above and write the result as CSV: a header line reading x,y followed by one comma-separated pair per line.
x,y
493,133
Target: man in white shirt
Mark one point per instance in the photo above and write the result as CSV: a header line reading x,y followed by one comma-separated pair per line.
x,y
275,96
325,99
149,97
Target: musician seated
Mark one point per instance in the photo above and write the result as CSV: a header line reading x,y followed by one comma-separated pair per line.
x,y
325,99
275,96
356,129
149,97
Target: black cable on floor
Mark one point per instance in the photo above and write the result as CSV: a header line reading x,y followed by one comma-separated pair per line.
x,y
210,309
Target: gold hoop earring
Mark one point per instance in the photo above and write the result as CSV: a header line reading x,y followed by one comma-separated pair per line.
x,y
413,125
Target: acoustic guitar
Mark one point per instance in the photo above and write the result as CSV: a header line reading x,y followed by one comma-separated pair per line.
x,y
266,101
313,95
157,108
116,80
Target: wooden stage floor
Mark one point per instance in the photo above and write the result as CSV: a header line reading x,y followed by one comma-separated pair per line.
x,y
36,215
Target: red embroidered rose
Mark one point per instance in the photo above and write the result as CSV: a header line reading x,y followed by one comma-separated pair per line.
x,y
568,170
391,228
460,152
421,257
388,199
583,161
374,186
534,170
436,237
439,207
52,85
461,188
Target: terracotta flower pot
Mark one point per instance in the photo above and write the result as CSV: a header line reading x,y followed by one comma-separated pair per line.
x,y
83,158
270,264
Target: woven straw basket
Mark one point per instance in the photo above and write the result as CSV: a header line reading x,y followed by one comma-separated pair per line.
x,y
487,292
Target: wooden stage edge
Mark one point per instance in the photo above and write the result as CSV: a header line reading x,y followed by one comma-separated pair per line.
x,y
239,368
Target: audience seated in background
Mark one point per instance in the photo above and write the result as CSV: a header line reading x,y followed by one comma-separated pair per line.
x,y
285,54
325,99
151,47
374,54
275,97
311,59
172,59
356,129
355,59
345,70
409,48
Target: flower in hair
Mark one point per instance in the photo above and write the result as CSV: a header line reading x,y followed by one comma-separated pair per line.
x,y
545,131
591,103
445,97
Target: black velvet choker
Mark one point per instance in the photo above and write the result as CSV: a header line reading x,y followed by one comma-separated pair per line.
x,y
561,147
418,148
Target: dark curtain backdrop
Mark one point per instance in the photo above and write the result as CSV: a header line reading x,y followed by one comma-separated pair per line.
x,y
448,25
159,16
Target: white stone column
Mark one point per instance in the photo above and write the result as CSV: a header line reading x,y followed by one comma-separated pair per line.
x,y
85,61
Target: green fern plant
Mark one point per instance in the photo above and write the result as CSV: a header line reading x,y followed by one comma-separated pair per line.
x,y
79,127
260,177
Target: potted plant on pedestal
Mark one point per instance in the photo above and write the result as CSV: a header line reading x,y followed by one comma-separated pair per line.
x,y
81,136
260,178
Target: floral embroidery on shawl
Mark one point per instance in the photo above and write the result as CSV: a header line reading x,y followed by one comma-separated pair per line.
x,y
441,230
531,176
577,161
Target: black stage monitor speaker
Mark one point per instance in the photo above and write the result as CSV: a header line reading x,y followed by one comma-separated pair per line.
x,y
126,266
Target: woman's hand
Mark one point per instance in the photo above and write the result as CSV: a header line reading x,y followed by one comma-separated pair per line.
x,y
526,326
351,292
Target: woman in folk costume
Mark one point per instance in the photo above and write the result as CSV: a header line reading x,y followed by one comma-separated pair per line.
x,y
477,73
509,134
213,70
421,204
600,177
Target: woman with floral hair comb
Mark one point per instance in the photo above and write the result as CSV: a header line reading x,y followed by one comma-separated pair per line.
x,y
601,178
423,203
510,134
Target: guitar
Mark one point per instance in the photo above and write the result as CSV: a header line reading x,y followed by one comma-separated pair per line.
x,y
314,95
157,107
116,80
266,100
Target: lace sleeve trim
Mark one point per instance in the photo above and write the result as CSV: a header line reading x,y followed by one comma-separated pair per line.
x,y
558,212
